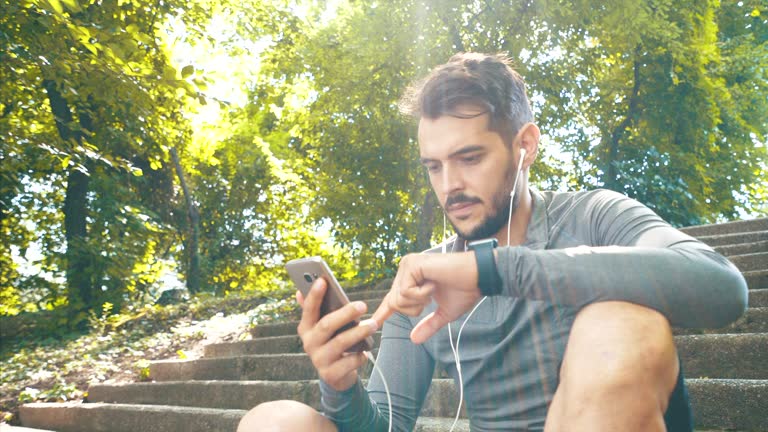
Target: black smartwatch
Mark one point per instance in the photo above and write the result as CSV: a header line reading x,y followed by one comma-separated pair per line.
x,y
488,278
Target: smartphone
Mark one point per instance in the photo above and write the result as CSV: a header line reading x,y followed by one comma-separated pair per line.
x,y
304,272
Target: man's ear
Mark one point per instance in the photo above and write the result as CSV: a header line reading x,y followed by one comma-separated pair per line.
x,y
528,138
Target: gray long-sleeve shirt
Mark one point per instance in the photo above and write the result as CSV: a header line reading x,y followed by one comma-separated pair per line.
x,y
581,248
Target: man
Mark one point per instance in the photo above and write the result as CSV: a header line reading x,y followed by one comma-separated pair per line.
x,y
573,331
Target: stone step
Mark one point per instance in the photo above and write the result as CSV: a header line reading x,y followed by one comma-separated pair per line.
x,y
365,295
744,248
280,329
755,320
266,345
100,417
729,404
735,356
758,298
710,355
275,329
716,403
373,303
263,345
756,279
441,424
739,226
734,239
8,428
243,395
714,355
276,367
750,262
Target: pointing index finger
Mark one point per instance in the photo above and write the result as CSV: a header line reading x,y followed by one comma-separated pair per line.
x,y
383,312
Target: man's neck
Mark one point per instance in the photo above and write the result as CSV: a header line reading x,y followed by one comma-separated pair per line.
x,y
519,223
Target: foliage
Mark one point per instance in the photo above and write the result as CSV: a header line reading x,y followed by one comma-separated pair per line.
x,y
90,113
663,117
49,366
273,311
254,210
664,101
646,98
60,392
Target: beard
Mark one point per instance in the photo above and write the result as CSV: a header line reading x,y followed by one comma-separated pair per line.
x,y
499,215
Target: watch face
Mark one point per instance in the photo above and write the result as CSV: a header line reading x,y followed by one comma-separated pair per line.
x,y
489,242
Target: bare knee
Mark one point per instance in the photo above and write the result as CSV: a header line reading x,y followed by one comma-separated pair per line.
x,y
283,415
621,348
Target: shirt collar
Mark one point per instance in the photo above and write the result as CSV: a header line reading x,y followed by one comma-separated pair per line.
x,y
537,233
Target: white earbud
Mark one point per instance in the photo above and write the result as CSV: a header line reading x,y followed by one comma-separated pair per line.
x,y
512,193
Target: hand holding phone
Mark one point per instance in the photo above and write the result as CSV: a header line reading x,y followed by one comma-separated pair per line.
x,y
330,329
304,272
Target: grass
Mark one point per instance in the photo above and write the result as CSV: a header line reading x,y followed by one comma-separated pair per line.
x,y
119,348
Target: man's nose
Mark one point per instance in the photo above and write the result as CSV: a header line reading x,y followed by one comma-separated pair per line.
x,y
452,180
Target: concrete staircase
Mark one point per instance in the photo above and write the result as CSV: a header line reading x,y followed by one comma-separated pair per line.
x,y
726,370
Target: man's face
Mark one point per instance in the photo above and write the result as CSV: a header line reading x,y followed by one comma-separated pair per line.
x,y
471,170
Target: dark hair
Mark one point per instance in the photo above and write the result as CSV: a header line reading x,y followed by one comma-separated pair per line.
x,y
486,81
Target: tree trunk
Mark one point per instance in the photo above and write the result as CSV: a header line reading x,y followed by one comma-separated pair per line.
x,y
611,180
79,283
76,232
193,267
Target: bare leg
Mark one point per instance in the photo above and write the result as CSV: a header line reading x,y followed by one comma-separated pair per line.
x,y
284,415
619,369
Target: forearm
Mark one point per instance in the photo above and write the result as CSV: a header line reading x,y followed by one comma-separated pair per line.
x,y
408,370
691,286
352,409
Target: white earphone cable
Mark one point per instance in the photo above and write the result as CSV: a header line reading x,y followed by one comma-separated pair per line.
x,y
455,349
458,360
386,387
512,194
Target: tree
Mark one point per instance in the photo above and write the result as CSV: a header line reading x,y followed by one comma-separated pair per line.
x,y
652,79
664,101
640,97
96,81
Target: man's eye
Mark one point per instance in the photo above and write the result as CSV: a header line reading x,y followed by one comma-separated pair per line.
x,y
433,168
471,159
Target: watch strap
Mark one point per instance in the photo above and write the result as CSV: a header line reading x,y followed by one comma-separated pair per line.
x,y
488,279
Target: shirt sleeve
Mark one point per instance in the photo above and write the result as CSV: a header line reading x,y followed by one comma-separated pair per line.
x,y
632,255
358,409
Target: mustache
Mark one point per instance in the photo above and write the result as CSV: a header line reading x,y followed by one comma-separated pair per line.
x,y
461,199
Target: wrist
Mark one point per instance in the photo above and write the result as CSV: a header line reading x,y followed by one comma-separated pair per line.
x,y
345,383
488,280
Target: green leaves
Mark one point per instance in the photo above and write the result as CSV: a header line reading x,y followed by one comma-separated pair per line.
x,y
72,5
187,71
104,111
155,164
665,101
56,6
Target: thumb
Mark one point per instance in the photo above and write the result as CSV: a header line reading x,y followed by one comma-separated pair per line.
x,y
427,327
383,312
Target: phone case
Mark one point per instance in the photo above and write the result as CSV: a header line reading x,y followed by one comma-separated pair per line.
x,y
303,273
